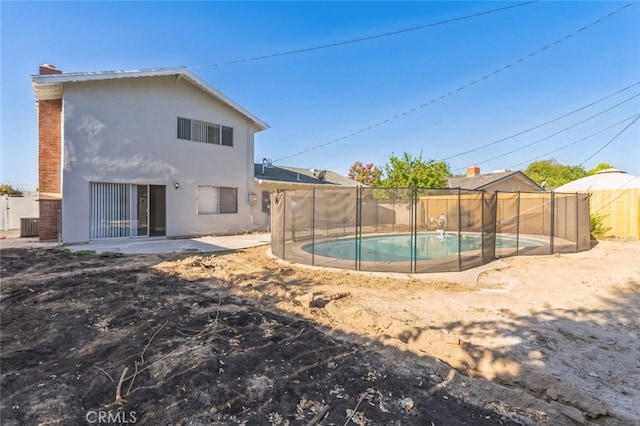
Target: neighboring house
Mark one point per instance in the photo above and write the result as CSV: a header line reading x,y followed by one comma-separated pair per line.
x,y
615,196
274,178
142,153
506,181
270,178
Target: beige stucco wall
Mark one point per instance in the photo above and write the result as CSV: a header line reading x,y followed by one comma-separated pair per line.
x,y
125,131
514,183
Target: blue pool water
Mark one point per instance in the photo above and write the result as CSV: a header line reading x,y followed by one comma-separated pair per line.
x,y
397,247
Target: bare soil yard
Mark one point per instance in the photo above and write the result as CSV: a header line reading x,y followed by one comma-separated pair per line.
x,y
240,338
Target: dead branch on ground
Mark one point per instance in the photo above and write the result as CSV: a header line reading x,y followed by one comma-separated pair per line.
x,y
447,380
106,374
323,411
141,362
119,400
355,410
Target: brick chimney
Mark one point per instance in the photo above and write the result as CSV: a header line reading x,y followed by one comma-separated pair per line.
x,y
47,69
473,171
49,160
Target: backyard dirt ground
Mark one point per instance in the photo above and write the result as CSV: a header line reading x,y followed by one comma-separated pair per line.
x,y
241,338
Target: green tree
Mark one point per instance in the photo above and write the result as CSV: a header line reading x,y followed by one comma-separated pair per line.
x,y
406,171
551,174
366,174
6,189
601,166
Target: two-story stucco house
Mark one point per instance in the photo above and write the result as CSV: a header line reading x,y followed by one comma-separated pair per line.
x,y
156,152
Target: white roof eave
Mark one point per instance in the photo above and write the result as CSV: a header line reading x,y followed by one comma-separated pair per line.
x,y
50,86
599,182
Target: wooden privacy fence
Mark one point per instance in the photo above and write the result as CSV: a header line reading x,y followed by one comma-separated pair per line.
x,y
619,209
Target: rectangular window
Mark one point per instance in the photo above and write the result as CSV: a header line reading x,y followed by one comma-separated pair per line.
x,y
214,200
199,131
228,200
207,200
227,136
213,134
184,128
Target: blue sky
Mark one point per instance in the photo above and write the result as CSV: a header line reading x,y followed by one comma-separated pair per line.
x,y
315,100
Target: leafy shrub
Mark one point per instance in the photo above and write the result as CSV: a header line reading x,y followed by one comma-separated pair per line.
x,y
598,230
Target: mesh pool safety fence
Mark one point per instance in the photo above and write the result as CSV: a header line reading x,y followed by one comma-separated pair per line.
x,y
414,230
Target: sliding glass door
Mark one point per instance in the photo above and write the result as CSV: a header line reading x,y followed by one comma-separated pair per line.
x,y
140,211
126,210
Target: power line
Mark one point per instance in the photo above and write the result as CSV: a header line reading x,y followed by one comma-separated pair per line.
x,y
485,77
613,139
539,125
572,143
372,37
556,133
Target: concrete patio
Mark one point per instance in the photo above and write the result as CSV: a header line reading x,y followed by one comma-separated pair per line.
x,y
156,245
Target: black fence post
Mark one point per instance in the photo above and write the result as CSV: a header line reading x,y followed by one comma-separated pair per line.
x,y
552,221
459,229
358,224
313,226
284,224
482,206
577,224
414,227
518,224
482,224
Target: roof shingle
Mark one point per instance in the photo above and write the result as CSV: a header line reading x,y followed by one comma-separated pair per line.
x,y
481,181
286,174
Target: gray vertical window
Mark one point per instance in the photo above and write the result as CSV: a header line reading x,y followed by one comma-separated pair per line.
x,y
227,136
110,210
228,200
184,128
213,135
199,131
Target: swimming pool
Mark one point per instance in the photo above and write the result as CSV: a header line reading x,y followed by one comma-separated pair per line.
x,y
397,247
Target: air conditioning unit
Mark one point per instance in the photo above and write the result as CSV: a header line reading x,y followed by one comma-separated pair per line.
x,y
29,227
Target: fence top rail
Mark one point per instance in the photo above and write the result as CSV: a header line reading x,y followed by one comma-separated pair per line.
x,y
419,188
379,189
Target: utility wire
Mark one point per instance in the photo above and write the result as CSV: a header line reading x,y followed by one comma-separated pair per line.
x,y
556,133
485,77
539,125
572,143
613,139
372,37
